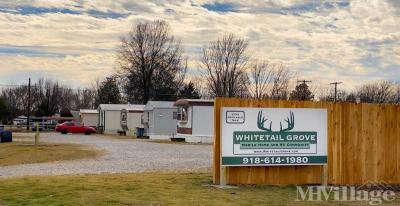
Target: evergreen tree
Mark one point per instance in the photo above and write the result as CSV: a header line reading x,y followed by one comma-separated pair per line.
x,y
302,92
65,112
189,92
108,92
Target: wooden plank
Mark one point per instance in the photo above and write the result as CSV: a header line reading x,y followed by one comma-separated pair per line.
x,y
357,154
365,142
398,144
332,146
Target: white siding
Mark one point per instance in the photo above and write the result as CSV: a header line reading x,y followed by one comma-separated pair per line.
x,y
149,126
113,122
134,120
203,120
90,119
164,122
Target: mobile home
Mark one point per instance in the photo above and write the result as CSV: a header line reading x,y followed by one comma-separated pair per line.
x,y
195,120
112,122
160,119
89,117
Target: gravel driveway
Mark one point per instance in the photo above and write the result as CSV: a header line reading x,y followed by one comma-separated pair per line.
x,y
122,156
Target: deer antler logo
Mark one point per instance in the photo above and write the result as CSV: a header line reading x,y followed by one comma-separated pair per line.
x,y
261,120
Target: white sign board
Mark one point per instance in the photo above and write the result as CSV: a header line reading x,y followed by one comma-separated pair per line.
x,y
273,136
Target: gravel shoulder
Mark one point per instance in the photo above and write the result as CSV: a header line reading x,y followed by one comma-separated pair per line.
x,y
121,156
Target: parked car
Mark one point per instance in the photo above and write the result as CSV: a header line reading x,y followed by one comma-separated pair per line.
x,y
74,127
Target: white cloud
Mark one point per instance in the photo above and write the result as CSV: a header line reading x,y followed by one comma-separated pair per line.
x,y
322,45
78,71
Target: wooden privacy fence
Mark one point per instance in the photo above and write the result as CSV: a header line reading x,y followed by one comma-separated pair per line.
x,y
363,146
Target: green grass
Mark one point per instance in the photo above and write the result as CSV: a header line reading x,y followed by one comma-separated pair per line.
x,y
26,152
142,189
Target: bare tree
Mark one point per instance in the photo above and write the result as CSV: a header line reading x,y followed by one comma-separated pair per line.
x,y
15,98
201,87
378,92
328,95
396,96
261,79
280,86
84,98
47,97
224,66
151,61
269,81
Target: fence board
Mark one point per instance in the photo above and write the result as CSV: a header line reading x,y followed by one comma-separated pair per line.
x,y
363,145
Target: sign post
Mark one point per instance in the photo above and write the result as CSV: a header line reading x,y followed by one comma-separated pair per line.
x,y
273,137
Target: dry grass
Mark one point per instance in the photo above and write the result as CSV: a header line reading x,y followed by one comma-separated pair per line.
x,y
22,129
26,152
117,136
144,189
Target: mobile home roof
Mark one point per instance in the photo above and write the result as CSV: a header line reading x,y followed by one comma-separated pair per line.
x,y
159,104
194,102
119,107
88,111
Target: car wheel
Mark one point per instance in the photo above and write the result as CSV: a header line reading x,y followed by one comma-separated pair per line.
x,y
64,131
88,133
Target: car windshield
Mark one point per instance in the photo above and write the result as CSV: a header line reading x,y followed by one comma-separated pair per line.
x,y
70,124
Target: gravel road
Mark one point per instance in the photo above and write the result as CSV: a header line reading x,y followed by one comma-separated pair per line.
x,y
122,156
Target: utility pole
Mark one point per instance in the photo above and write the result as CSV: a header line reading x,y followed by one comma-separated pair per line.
x,y
336,84
29,106
303,81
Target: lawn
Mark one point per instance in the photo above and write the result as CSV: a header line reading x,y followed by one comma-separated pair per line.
x,y
142,189
24,152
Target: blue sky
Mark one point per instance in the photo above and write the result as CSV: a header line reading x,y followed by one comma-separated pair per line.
x,y
74,41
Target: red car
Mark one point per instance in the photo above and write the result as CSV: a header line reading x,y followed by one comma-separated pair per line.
x,y
73,127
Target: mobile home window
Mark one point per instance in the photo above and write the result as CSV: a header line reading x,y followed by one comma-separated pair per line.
x,y
182,114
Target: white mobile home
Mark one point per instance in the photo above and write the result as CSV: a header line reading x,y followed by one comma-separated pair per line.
x,y
89,117
110,118
195,120
20,120
159,119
